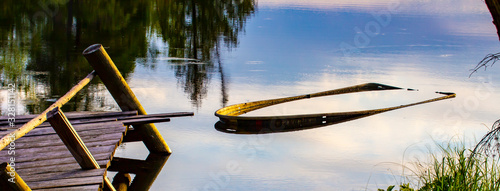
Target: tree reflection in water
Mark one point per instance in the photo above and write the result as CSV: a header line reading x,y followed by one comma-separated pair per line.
x,y
48,37
196,29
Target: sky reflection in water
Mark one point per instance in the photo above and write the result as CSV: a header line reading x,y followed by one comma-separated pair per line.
x,y
291,48
294,47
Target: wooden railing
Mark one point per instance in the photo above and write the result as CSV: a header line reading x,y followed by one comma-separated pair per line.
x,y
27,127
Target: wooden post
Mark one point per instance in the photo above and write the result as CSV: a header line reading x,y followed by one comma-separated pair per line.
x,y
71,139
108,186
121,181
123,95
10,180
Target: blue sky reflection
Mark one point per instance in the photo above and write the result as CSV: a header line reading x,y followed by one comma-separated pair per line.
x,y
293,47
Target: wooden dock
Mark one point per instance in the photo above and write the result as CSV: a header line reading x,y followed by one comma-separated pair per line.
x,y
74,150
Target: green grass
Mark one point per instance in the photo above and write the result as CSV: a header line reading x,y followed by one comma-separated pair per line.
x,y
454,167
459,169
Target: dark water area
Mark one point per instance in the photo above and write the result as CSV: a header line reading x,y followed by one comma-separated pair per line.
x,y
192,55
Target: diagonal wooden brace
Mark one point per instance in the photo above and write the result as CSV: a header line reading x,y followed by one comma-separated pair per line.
x,y
71,139
111,77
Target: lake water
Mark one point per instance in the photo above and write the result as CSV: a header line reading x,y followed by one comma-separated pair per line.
x,y
248,51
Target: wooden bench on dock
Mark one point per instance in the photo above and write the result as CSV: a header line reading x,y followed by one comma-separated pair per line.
x,y
74,150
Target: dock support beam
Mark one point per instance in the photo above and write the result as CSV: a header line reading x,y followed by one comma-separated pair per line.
x,y
71,139
123,95
10,180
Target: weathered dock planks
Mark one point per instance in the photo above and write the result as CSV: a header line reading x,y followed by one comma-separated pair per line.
x,y
72,151
43,161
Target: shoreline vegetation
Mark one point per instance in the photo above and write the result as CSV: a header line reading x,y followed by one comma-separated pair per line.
x,y
456,166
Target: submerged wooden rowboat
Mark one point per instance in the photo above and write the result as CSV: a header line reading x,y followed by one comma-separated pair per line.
x,y
231,121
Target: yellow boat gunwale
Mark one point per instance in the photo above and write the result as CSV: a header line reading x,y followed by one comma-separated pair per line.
x,y
230,116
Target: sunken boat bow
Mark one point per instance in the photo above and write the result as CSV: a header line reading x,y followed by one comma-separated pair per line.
x,y
231,121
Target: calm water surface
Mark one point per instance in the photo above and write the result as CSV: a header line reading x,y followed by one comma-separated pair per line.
x,y
250,51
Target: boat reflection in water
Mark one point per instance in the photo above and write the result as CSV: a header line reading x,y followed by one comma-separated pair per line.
x,y
231,121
